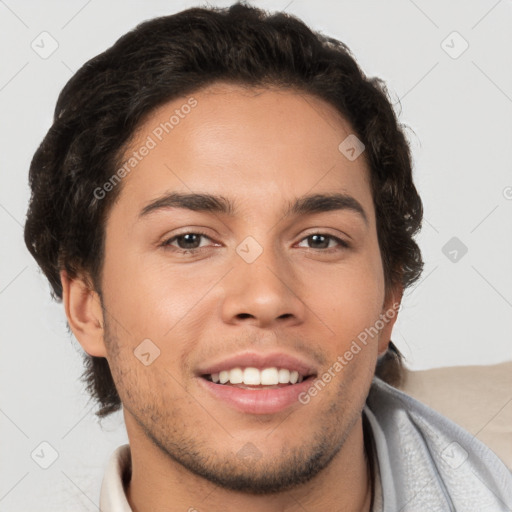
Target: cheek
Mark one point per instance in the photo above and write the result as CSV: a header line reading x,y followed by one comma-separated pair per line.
x,y
136,383
168,305
351,300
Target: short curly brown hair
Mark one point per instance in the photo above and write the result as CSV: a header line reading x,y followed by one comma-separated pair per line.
x,y
102,105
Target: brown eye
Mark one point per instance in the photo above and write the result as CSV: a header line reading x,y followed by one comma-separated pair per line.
x,y
323,241
187,242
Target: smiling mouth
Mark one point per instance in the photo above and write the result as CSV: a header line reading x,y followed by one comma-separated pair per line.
x,y
256,378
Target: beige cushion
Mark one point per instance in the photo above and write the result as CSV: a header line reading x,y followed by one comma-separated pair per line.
x,y
478,398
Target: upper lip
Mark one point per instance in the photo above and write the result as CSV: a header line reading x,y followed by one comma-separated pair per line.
x,y
260,360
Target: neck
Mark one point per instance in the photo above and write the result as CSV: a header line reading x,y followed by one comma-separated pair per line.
x,y
159,483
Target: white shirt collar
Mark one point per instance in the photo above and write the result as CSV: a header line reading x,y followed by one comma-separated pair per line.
x,y
112,494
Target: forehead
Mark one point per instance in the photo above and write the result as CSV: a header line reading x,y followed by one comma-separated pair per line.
x,y
262,145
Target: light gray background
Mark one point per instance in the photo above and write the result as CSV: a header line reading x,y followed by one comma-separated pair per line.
x,y
458,111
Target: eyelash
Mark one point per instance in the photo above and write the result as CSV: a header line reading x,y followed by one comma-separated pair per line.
x,y
167,244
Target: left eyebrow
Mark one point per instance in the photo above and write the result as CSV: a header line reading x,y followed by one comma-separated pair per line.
x,y
318,203
305,205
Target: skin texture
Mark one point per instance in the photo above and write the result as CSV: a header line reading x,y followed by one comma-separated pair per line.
x,y
261,149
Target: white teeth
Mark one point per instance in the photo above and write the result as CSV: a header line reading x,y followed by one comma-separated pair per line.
x,y
284,376
236,376
253,376
269,376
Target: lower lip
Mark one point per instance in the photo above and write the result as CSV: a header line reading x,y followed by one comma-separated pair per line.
x,y
258,401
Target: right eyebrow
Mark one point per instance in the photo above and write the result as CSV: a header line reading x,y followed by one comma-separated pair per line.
x,y
195,202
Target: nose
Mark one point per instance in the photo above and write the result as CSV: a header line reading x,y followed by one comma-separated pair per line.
x,y
265,293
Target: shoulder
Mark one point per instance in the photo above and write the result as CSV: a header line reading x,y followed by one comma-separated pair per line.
x,y
426,461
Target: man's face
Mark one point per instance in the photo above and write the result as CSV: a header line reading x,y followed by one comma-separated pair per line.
x,y
255,281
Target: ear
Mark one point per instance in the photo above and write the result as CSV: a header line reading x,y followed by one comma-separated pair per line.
x,y
85,316
389,315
